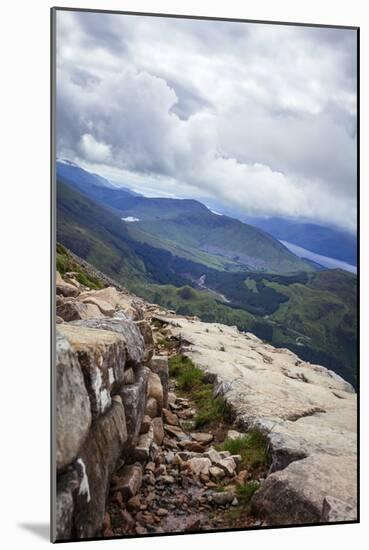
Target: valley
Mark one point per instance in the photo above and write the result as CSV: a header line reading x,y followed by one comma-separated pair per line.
x,y
182,256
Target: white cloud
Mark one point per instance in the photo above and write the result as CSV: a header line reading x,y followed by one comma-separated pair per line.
x,y
268,113
93,150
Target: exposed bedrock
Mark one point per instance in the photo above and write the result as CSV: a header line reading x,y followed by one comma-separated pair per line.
x,y
307,412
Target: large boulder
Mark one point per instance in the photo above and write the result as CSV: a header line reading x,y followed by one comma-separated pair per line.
x,y
67,484
145,329
127,330
104,307
118,300
159,365
102,357
304,492
73,411
134,401
75,311
96,463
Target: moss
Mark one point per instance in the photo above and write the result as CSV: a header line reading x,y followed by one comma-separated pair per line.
x,y
245,491
191,383
65,263
253,448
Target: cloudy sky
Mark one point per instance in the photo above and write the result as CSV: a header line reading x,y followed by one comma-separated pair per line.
x,y
260,118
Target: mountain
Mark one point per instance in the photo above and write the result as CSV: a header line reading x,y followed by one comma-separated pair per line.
x,y
311,313
74,174
322,240
189,229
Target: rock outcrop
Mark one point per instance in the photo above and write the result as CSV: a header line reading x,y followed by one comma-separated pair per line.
x,y
307,412
102,389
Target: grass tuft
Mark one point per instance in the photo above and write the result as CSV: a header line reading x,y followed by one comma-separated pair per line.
x,y
253,448
245,491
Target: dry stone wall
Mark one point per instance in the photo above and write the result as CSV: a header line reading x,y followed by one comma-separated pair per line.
x,y
104,382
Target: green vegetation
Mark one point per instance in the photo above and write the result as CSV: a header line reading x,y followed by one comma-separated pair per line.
x,y
191,383
201,303
311,313
252,447
245,491
65,264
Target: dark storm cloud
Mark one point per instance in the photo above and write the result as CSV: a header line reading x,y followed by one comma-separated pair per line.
x,y
261,117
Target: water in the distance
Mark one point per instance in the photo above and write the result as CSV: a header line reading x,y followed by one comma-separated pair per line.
x,y
325,261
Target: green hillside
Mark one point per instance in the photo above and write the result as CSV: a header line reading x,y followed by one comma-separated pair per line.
x,y
311,313
187,227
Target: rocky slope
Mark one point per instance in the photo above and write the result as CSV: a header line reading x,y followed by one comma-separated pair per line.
x,y
130,457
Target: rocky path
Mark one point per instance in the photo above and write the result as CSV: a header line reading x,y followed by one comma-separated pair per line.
x,y
186,485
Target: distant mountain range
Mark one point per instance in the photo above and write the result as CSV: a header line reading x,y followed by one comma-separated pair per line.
x,y
188,228
316,238
236,273
323,240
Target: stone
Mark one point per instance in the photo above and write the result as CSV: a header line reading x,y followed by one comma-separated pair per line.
x,y
155,389
224,454
129,482
72,402
152,408
223,498
170,458
159,365
127,330
335,510
134,503
146,332
192,446
177,461
134,402
145,424
170,418
234,434
64,507
74,311
162,512
95,464
141,452
175,431
199,465
171,396
203,438
304,491
214,455
104,307
166,479
124,303
128,377
170,443
158,430
102,357
228,465
216,472
65,289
